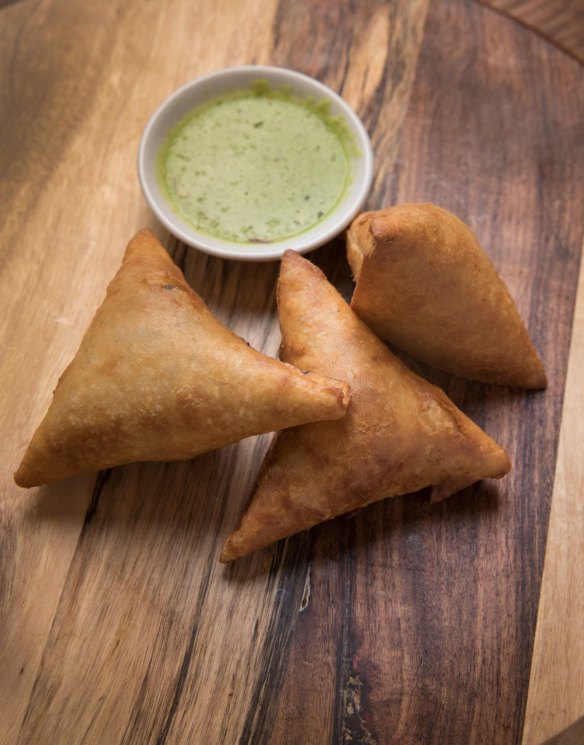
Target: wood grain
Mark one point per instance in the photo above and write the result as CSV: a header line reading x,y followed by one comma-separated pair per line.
x,y
405,624
561,21
556,690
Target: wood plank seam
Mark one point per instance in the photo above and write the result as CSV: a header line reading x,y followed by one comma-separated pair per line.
x,y
556,688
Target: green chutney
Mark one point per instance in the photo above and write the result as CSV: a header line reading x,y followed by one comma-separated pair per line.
x,y
257,166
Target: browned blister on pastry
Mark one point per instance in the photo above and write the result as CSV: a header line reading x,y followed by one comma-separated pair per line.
x,y
399,434
157,377
425,284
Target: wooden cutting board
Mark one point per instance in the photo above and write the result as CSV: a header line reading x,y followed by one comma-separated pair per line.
x,y
408,623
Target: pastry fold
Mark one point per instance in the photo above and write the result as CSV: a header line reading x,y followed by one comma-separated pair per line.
x,y
157,377
424,284
399,434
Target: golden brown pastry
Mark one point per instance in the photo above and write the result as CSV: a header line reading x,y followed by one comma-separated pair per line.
x,y
157,377
399,434
425,284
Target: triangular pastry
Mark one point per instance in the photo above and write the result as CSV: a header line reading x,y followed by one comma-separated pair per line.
x,y
425,284
157,377
399,434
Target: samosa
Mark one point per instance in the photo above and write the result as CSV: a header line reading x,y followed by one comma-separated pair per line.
x,y
399,434
157,377
424,284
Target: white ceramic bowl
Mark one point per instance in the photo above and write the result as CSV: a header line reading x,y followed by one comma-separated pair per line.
x,y
191,95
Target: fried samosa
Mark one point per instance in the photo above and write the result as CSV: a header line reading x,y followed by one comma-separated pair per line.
x,y
424,283
157,377
399,434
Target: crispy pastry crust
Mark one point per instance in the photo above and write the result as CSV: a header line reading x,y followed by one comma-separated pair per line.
x,y
157,377
425,284
400,433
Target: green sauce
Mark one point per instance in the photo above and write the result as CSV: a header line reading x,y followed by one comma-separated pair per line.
x,y
257,166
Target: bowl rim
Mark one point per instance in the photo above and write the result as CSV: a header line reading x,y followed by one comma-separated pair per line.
x,y
272,251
